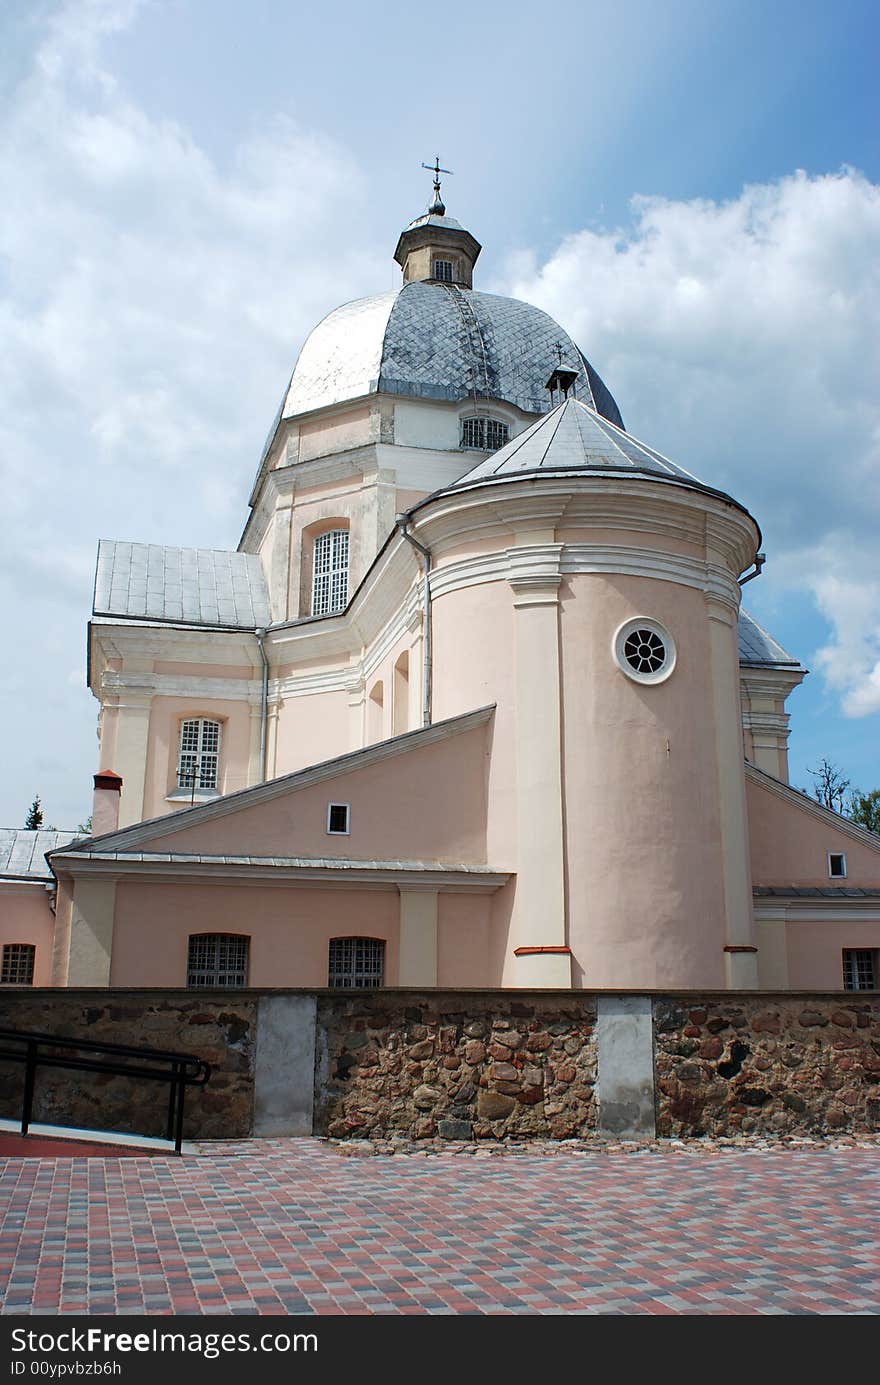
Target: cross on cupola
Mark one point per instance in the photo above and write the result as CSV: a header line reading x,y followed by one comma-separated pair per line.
x,y
437,207
434,247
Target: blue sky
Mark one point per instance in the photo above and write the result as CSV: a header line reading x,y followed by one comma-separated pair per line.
x,y
191,184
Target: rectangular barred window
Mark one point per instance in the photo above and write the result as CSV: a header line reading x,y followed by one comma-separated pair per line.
x,y
496,434
330,573
199,758
356,962
217,959
859,969
17,965
443,270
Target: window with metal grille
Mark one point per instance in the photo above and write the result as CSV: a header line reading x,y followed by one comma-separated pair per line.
x,y
330,572
443,269
356,962
484,434
217,959
859,969
17,965
199,758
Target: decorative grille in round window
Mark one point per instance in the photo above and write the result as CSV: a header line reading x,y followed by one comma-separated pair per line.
x,y
644,651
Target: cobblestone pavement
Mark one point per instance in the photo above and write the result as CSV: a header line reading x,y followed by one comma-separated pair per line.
x,y
295,1226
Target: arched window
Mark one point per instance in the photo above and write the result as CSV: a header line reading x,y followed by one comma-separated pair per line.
x,y
330,572
17,965
198,762
217,959
484,434
356,962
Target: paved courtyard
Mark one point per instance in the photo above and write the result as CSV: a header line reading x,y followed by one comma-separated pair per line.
x,y
295,1226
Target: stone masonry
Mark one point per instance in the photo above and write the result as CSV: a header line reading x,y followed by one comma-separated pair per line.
x,y
460,1066
221,1031
767,1065
468,1066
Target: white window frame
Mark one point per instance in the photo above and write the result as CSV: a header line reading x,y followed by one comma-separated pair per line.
x,y
481,423
15,958
354,968
330,559
837,874
851,967
223,970
205,751
622,634
339,831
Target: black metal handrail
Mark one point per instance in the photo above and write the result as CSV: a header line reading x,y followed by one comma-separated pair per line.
x,y
179,1070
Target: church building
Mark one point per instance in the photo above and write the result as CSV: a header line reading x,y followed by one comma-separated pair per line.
x,y
474,703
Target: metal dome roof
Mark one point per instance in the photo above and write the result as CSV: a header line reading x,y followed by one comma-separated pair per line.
x,y
436,341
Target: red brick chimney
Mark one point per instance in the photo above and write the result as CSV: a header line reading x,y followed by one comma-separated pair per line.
x,y
105,806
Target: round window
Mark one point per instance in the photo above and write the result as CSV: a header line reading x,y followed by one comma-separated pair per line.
x,y
644,651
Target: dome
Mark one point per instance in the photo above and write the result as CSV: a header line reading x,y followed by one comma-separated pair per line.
x,y
434,341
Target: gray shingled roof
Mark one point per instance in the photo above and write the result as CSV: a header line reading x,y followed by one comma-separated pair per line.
x,y
197,586
23,852
437,341
574,436
757,647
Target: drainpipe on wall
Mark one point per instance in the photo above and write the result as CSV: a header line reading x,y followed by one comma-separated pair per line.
x,y
760,560
264,703
402,522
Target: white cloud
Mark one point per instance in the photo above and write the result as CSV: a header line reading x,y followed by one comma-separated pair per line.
x,y
151,307
741,338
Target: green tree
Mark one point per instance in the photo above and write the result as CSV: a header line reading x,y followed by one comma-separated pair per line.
x,y
34,819
865,810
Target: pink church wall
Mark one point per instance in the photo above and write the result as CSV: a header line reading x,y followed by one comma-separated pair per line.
x,y
790,844
400,808
643,834
311,729
463,923
815,950
25,917
290,929
161,771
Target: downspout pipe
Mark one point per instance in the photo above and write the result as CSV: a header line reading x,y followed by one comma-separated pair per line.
x,y
760,560
402,524
264,703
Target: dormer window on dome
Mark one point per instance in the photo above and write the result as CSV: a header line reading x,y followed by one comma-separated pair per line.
x,y
484,434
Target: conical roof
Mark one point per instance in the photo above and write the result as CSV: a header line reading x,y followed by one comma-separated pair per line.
x,y
574,436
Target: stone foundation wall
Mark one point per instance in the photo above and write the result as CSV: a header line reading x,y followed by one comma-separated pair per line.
x,y
767,1065
221,1031
467,1065
461,1066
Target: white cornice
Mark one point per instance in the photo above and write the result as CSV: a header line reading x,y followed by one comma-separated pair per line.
x,y
811,807
326,872
833,911
172,685
222,807
531,562
765,681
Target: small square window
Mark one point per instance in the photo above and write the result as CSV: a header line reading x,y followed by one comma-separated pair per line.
x,y
443,270
337,819
837,865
